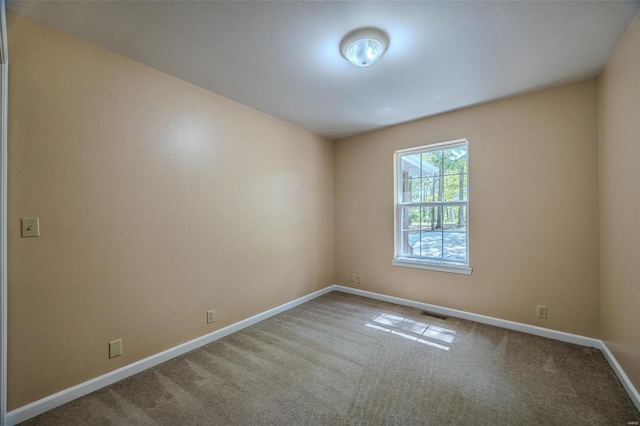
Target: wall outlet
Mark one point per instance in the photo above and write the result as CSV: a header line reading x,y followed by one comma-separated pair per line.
x,y
115,348
353,278
542,311
360,280
211,316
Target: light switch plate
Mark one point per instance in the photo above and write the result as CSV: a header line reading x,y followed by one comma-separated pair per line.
x,y
115,348
30,227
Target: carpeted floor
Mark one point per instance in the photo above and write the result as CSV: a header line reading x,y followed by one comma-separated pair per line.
x,y
348,360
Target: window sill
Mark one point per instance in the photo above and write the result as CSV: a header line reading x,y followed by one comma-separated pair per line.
x,y
433,266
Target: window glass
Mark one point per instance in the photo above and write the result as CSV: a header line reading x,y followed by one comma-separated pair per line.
x,y
432,203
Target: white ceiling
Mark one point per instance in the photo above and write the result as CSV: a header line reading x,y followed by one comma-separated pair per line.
x,y
283,58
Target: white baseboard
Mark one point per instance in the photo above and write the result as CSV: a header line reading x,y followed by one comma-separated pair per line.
x,y
45,404
511,325
622,376
52,401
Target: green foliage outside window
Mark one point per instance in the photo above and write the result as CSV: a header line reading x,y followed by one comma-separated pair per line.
x,y
438,176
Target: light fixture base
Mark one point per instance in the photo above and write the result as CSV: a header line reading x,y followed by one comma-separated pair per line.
x,y
364,46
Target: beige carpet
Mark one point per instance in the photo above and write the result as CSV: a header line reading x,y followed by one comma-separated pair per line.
x,y
348,360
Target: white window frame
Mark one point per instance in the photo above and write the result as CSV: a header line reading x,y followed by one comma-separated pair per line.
x,y
417,262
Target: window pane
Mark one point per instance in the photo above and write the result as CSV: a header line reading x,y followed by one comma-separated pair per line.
x,y
455,188
455,233
405,194
410,229
455,218
411,165
432,163
424,220
431,189
414,190
455,246
412,241
428,215
430,243
411,218
455,160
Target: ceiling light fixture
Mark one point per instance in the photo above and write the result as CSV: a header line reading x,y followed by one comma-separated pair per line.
x,y
364,46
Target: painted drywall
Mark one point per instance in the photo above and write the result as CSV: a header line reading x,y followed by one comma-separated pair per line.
x,y
157,200
533,210
619,157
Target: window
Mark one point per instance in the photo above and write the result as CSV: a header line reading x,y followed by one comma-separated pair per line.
x,y
432,207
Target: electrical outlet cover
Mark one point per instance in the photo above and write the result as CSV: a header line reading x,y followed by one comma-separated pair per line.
x,y
542,311
115,348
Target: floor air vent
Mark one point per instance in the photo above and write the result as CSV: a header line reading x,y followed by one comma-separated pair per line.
x,y
434,315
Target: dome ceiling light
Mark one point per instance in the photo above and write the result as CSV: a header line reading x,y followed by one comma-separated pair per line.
x,y
364,46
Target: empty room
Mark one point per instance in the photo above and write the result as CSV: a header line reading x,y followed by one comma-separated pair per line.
x,y
320,212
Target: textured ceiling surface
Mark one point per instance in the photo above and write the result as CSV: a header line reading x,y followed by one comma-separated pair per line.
x,y
283,58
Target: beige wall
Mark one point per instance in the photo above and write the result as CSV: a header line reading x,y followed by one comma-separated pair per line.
x,y
157,200
533,210
619,144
